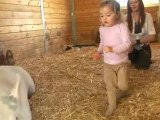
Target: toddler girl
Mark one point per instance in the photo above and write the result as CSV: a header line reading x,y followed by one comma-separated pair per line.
x,y
114,45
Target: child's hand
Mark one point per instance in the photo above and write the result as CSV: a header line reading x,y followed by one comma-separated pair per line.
x,y
96,56
108,49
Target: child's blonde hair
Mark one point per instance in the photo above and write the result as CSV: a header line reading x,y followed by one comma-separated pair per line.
x,y
114,5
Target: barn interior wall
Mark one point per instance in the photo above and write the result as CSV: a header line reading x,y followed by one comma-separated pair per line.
x,y
58,23
21,28
87,20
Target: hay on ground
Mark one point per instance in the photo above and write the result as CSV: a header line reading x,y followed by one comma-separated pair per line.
x,y
70,86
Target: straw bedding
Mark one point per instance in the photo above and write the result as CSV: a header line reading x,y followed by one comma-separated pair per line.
x,y
70,86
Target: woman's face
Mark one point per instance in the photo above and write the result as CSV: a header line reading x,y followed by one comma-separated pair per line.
x,y
134,4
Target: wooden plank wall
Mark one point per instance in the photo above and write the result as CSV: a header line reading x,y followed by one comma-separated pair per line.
x,y
58,22
87,18
21,28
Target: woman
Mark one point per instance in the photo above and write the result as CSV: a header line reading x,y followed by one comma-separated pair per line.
x,y
143,32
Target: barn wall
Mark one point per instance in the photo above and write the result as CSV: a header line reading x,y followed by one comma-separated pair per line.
x,y
154,12
87,18
58,23
21,28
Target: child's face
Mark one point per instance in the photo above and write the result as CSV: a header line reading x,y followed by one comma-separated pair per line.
x,y
108,16
134,4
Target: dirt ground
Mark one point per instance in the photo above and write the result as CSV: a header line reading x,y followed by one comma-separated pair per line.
x,y
70,86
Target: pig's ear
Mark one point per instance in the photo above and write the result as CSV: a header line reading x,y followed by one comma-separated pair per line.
x,y
15,90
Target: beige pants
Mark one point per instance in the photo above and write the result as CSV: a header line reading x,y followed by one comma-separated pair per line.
x,y
115,78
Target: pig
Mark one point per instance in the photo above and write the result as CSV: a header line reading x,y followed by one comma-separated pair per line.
x,y
16,87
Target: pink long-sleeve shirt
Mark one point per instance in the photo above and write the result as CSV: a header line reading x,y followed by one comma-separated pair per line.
x,y
118,38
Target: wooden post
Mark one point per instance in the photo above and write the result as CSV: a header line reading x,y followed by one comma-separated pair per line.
x,y
44,27
73,17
